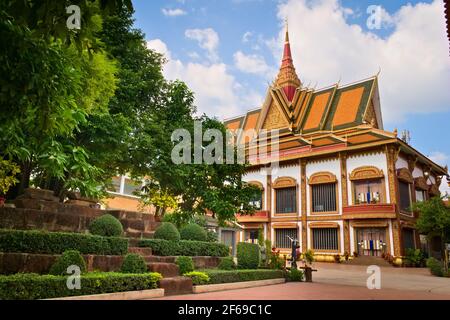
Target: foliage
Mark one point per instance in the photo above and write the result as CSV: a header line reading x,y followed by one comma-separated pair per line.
x,y
185,264
434,219
248,255
226,276
275,260
133,263
167,231
198,278
8,173
51,85
414,257
227,263
294,275
185,248
193,232
308,257
436,267
107,226
211,236
29,286
67,259
57,242
261,236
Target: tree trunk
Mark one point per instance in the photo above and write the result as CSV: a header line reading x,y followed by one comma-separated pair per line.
x,y
444,252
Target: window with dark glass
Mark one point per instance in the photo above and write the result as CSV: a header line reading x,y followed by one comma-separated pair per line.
x,y
367,191
405,196
256,200
325,238
408,238
131,187
286,200
323,197
282,237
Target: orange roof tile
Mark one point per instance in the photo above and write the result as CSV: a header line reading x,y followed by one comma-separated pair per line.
x,y
347,107
316,110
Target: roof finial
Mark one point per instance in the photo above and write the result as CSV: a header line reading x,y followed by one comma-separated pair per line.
x,y
287,30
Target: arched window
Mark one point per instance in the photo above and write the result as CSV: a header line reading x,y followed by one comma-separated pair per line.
x,y
257,199
323,192
367,185
285,195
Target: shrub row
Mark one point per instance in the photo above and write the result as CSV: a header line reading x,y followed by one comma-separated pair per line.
x,y
185,248
226,276
58,242
29,286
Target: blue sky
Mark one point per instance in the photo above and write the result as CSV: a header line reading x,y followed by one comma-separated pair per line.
x,y
228,51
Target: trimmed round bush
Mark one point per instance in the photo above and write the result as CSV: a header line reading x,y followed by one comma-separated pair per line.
x,y
106,226
133,263
248,255
167,231
227,263
185,264
197,277
67,259
193,232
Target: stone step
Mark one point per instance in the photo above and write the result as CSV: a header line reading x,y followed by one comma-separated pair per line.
x,y
133,242
167,259
122,214
368,261
141,251
176,285
139,225
167,270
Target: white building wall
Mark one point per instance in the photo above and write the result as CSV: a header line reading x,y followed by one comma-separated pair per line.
x,y
401,163
377,160
329,165
418,172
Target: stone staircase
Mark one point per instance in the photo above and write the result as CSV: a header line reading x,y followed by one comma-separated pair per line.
x,y
172,282
368,261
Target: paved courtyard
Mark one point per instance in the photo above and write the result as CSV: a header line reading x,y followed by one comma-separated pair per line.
x,y
343,282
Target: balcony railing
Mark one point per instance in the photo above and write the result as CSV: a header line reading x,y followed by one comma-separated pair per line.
x,y
386,210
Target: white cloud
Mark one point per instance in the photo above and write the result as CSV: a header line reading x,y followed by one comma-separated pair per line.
x,y
207,39
173,12
217,93
254,64
415,69
246,36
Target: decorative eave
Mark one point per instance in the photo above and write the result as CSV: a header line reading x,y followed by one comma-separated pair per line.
x,y
366,172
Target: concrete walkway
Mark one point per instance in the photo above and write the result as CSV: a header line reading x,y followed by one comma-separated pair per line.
x,y
343,282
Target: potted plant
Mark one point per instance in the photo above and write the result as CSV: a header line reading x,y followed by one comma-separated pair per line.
x,y
346,255
337,258
8,173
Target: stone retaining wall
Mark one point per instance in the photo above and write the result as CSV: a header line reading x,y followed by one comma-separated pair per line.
x,y
11,263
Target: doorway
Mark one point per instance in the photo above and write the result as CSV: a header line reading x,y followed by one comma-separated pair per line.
x,y
371,241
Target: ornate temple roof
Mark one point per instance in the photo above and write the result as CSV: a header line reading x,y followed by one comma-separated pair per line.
x,y
316,121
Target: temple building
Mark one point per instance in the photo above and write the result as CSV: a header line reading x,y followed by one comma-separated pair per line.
x,y
344,185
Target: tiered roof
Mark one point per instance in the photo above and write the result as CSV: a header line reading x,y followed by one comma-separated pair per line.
x,y
314,121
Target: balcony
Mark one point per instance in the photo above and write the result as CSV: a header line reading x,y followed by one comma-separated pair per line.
x,y
258,216
369,211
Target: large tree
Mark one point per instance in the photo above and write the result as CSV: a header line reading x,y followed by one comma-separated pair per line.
x,y
434,220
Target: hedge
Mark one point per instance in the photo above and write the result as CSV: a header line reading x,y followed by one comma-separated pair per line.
x,y
185,248
248,255
106,226
57,242
68,258
29,286
167,231
226,276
